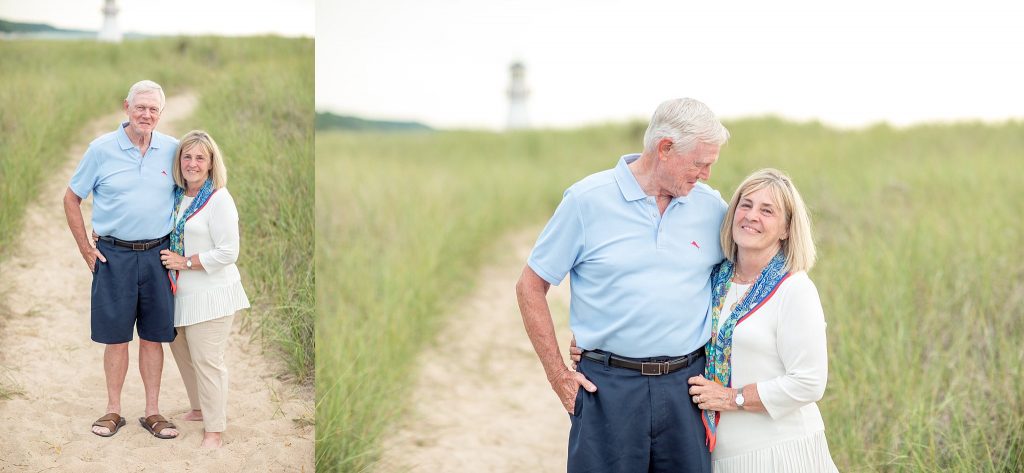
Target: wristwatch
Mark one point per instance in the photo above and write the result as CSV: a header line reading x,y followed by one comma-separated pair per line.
x,y
188,263
739,398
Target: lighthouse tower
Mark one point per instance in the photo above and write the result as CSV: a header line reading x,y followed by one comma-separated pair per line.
x,y
517,94
110,32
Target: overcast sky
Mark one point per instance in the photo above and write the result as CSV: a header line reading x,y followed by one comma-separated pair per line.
x,y
188,17
445,62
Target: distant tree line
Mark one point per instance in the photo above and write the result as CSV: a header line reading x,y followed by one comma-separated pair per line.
x,y
14,27
330,121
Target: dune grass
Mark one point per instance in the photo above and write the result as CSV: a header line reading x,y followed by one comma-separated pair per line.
x,y
262,106
256,101
920,271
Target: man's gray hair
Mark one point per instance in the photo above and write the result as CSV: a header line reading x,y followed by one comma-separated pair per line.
x,y
684,121
145,87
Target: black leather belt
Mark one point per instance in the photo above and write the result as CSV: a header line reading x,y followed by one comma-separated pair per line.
x,y
647,368
135,245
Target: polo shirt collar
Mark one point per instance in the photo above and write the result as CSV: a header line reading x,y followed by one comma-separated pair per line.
x,y
626,180
126,143
628,185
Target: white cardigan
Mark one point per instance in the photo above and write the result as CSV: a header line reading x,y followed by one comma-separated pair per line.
x,y
782,349
216,290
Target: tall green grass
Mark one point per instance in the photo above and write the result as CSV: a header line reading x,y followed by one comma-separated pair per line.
x,y
920,269
260,110
256,101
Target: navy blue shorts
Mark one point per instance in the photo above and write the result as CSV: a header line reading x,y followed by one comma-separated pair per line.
x,y
636,423
131,290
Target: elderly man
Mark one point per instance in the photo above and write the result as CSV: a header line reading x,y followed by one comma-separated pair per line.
x,y
640,241
128,171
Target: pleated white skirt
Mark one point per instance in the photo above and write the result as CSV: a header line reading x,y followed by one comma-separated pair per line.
x,y
209,303
808,454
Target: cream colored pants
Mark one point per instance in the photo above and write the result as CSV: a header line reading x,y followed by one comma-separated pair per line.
x,y
199,352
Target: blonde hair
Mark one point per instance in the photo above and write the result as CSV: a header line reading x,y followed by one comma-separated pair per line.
x,y
218,173
798,248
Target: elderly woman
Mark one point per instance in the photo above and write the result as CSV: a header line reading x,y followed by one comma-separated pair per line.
x,y
767,362
207,286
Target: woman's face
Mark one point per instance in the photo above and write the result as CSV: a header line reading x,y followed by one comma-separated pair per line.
x,y
759,223
195,165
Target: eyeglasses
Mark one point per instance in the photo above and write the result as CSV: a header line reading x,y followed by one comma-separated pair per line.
x,y
143,109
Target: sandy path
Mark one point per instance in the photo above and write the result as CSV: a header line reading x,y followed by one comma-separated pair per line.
x,y
480,400
45,350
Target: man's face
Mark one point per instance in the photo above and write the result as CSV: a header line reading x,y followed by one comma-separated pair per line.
x,y
682,170
143,113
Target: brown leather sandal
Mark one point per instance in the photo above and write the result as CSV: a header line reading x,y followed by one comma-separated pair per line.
x,y
156,424
112,422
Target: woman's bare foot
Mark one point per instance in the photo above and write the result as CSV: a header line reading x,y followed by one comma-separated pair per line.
x,y
211,440
193,415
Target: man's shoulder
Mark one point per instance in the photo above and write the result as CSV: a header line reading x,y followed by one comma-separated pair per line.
x,y
104,140
596,181
706,193
163,139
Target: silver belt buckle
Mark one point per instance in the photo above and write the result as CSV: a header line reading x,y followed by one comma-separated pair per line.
x,y
653,368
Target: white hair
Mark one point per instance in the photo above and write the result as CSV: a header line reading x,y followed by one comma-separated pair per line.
x,y
144,87
684,121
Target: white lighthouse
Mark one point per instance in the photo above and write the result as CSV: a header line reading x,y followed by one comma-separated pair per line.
x,y
517,94
110,32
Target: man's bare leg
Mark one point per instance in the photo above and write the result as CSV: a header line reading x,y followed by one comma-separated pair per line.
x,y
151,366
115,368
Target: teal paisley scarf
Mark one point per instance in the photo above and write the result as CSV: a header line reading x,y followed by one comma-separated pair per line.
x,y
178,233
719,348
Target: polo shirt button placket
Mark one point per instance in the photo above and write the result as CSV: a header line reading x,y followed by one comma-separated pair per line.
x,y
657,222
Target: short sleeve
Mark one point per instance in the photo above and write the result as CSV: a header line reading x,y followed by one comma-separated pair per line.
x,y
84,180
561,243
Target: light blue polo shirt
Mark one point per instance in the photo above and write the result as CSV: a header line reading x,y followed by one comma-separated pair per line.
x,y
640,281
133,195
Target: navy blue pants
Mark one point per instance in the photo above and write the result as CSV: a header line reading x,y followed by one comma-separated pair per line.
x,y
636,423
131,290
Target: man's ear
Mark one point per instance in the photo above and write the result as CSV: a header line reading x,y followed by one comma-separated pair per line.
x,y
664,148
